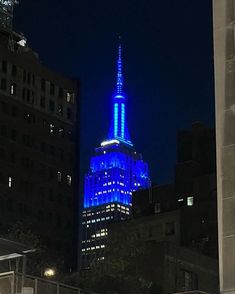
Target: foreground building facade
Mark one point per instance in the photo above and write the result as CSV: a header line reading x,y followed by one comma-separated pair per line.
x,y
37,144
116,170
224,53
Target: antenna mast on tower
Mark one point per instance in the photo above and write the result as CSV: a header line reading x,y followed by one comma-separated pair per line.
x,y
6,13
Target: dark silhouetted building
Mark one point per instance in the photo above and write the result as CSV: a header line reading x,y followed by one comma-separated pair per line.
x,y
193,194
196,159
38,114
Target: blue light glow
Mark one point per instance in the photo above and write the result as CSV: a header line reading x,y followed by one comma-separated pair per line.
x,y
115,119
119,128
116,170
123,121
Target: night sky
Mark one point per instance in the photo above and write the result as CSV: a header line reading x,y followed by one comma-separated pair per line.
x,y
168,66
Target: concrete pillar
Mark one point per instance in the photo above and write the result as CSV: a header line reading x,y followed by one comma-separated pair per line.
x,y
224,58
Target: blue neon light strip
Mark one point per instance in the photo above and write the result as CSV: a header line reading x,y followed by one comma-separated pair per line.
x,y
123,121
115,120
119,71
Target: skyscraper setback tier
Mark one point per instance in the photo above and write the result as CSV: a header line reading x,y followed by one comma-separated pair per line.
x,y
116,170
38,110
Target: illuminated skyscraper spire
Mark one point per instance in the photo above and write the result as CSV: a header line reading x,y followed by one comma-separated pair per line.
x,y
119,130
119,71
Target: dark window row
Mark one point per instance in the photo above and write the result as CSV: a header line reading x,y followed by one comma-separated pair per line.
x,y
48,194
11,68
28,96
29,141
30,118
62,93
29,78
12,88
28,164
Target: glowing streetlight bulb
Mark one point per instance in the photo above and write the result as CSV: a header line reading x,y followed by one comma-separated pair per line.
x,y
49,272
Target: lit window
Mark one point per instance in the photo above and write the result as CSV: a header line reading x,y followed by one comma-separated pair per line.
x,y
10,182
68,97
190,201
61,132
157,207
59,176
69,180
13,89
52,129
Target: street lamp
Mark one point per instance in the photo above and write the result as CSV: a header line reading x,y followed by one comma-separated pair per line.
x,y
49,272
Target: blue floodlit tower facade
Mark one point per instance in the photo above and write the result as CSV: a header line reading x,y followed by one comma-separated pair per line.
x,y
116,170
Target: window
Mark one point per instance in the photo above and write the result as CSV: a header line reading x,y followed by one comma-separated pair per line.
x,y
4,66
33,79
68,97
186,281
61,93
10,182
14,70
52,89
13,89
29,78
28,95
69,113
169,229
52,129
43,84
24,76
23,93
190,201
69,180
42,101
61,132
3,84
51,105
60,109
157,208
59,176
32,95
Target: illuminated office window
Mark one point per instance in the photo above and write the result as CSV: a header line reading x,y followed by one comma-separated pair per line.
x,y
69,180
10,182
13,89
59,176
190,201
52,129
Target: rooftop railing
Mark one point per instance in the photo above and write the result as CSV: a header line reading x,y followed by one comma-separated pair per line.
x,y
16,283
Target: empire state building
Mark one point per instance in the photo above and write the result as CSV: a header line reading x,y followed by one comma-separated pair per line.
x,y
116,171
